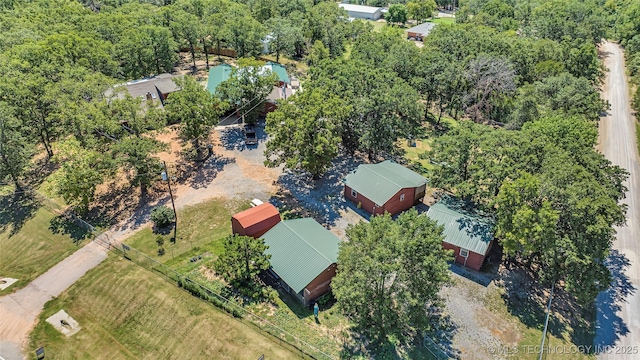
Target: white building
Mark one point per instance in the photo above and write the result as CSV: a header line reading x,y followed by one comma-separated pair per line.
x,y
361,11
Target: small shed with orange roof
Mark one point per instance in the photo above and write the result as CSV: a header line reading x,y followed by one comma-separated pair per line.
x,y
256,221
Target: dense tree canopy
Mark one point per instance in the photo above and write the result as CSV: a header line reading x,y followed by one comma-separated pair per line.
x,y
556,198
389,275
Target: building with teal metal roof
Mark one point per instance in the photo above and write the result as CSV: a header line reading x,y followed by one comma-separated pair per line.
x,y
303,255
467,232
217,75
384,187
279,70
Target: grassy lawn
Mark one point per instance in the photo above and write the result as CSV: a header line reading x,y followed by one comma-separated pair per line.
x,y
299,65
530,337
377,25
200,229
445,20
127,312
32,240
412,153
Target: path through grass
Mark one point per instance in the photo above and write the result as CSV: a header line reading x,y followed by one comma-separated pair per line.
x,y
127,312
32,240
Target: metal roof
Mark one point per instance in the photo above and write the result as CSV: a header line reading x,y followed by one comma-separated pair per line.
x,y
300,249
379,182
423,29
279,70
359,8
217,75
256,214
462,227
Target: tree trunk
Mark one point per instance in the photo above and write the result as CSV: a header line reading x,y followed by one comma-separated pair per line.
x,y
193,54
196,143
45,141
206,53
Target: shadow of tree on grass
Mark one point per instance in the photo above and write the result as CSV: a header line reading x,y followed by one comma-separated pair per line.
x,y
62,224
15,210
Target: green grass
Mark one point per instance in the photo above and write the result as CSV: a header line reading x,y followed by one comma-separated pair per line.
x,y
412,153
32,240
127,312
530,337
377,25
200,229
444,20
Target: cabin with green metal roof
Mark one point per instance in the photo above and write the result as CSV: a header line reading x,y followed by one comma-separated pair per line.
x,y
384,187
217,75
303,256
467,232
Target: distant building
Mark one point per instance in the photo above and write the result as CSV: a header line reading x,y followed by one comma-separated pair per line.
x,y
384,187
419,32
154,89
217,75
281,90
303,256
466,232
362,12
256,221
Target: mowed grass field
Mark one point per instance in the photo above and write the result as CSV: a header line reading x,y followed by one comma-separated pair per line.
x,y
201,228
32,240
127,312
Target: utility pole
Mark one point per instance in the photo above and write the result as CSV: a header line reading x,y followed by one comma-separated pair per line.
x,y
165,176
546,321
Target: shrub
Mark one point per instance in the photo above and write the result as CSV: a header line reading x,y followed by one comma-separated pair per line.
x,y
162,216
160,251
160,240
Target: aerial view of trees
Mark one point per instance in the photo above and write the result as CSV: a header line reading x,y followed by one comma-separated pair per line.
x,y
507,96
390,274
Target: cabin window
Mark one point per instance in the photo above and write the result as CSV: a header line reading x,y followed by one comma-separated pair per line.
x,y
354,193
464,253
401,197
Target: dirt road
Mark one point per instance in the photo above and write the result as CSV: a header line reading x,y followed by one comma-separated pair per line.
x,y
618,317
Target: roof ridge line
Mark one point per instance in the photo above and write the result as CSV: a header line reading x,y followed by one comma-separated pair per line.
x,y
303,239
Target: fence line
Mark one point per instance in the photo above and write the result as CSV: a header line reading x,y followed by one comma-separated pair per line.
x,y
264,326
237,310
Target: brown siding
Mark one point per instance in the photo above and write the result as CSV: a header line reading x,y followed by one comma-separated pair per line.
x,y
474,260
319,285
366,204
393,206
396,206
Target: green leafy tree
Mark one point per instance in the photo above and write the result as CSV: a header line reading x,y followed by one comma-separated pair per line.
x,y
242,259
327,22
186,27
135,155
15,149
303,132
389,274
317,53
248,87
195,109
284,35
421,10
243,32
162,216
81,171
397,14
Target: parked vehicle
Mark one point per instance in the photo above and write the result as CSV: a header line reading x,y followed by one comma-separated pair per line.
x,y
250,137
